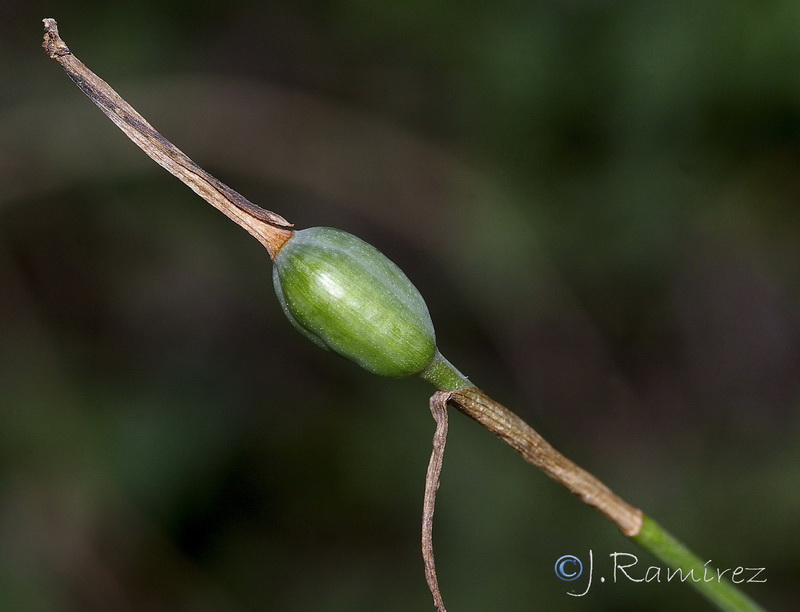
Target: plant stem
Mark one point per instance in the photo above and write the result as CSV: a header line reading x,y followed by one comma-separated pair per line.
x,y
444,375
631,521
706,579
269,228
536,450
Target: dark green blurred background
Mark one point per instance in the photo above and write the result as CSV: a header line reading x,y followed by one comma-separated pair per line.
x,y
600,201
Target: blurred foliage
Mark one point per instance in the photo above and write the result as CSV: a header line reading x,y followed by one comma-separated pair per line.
x,y
598,199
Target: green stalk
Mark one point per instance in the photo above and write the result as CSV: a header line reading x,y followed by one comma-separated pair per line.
x,y
456,389
632,522
444,375
715,587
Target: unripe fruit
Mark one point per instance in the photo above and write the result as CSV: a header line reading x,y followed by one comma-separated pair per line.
x,y
347,296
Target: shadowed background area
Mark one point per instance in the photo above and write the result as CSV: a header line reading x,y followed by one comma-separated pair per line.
x,y
599,201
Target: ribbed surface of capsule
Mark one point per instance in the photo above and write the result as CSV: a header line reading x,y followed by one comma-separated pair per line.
x,y
347,296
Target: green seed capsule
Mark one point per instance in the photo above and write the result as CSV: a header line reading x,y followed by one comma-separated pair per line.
x,y
347,296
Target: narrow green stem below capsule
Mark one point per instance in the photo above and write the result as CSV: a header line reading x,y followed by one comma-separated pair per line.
x,y
712,583
444,375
